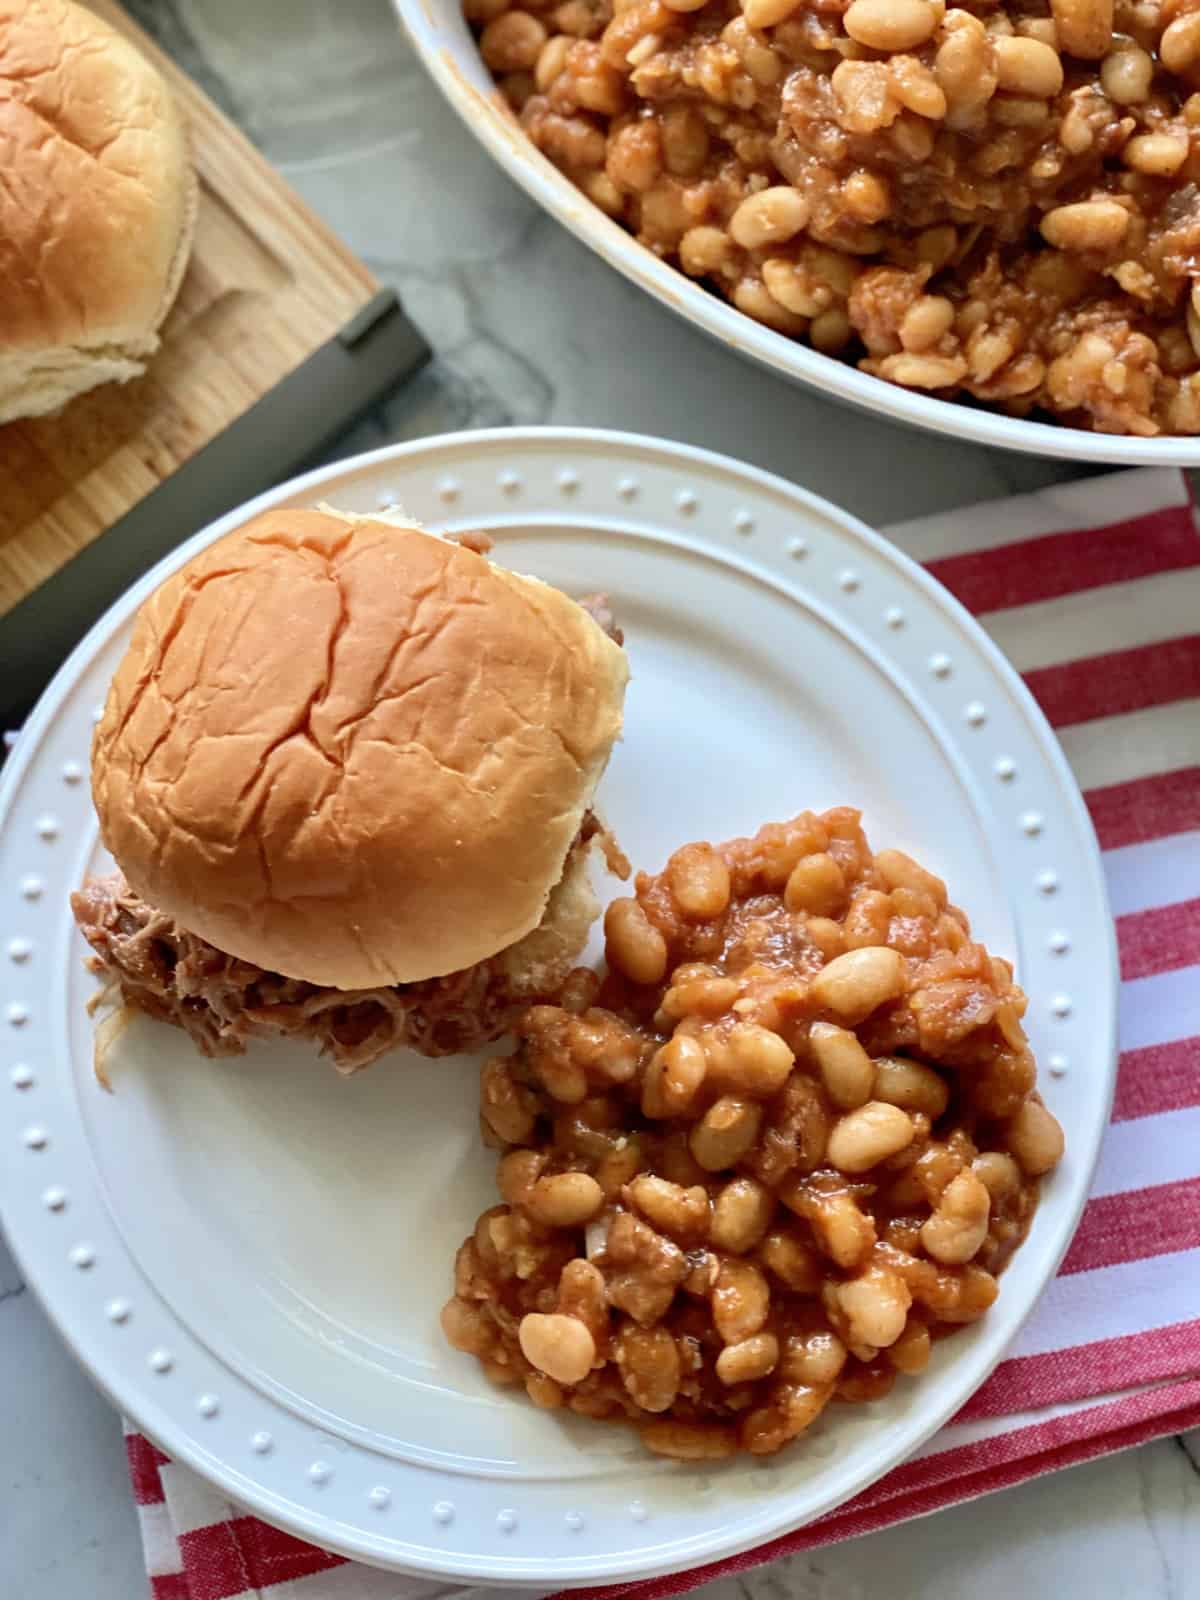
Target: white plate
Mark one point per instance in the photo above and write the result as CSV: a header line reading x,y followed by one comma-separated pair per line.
x,y
448,51
250,1255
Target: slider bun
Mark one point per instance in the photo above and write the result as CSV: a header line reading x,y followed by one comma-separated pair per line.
x,y
97,205
352,752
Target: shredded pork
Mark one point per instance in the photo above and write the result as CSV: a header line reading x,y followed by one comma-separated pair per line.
x,y
161,968
600,610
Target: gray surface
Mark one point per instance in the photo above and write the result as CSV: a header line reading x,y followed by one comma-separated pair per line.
x,y
529,328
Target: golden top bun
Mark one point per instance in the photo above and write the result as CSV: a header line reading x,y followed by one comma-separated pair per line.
x,y
97,205
351,751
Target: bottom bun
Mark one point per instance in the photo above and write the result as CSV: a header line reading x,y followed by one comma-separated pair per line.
x,y
537,964
37,383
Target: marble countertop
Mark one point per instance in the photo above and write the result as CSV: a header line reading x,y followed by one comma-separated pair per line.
x,y
530,328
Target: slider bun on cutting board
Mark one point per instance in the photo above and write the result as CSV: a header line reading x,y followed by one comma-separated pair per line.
x,y
351,751
97,205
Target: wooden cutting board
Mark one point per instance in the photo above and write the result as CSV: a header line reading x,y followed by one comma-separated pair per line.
x,y
267,284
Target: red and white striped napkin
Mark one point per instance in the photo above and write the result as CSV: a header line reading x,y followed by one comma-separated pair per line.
x,y
1093,591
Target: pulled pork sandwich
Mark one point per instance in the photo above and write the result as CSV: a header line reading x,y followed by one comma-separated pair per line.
x,y
345,769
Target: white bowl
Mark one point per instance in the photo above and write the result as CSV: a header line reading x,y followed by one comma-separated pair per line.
x,y
444,43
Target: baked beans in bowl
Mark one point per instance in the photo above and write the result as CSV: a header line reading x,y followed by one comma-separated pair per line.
x,y
899,202
788,1143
